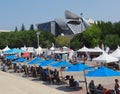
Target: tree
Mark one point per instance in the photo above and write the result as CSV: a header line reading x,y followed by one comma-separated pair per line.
x,y
91,37
16,29
62,41
76,44
46,39
112,41
22,27
31,27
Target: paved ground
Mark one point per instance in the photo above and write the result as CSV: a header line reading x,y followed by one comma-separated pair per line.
x,y
11,84
14,83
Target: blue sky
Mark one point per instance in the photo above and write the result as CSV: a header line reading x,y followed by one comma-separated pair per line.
x,y
17,12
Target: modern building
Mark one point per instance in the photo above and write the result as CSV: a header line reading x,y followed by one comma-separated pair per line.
x,y
72,24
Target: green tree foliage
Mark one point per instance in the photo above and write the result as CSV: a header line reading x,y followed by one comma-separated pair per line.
x,y
28,38
4,39
76,44
46,39
22,28
16,29
116,28
62,41
31,27
112,40
103,32
106,28
91,37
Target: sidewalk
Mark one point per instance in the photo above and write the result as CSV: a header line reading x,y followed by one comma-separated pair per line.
x,y
11,84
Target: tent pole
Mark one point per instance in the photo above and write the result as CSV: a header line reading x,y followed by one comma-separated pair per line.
x,y
85,82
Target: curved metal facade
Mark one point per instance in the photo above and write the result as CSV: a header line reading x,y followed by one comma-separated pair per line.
x,y
73,24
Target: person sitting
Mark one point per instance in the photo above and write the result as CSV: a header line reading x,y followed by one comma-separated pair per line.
x,y
71,81
56,76
100,89
92,87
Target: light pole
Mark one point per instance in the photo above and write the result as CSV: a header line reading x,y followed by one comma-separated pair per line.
x,y
38,33
81,14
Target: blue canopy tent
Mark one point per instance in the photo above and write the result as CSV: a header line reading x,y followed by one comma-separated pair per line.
x,y
103,72
62,64
46,63
11,57
14,51
78,67
20,60
36,60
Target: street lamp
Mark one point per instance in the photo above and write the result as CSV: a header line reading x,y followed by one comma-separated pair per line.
x,y
38,33
81,14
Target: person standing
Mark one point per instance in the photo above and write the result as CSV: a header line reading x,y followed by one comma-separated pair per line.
x,y
116,87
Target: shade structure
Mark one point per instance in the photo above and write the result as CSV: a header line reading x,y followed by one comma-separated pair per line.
x,y
103,72
52,48
116,53
14,51
36,60
11,57
6,48
79,67
97,49
105,58
62,64
46,62
21,60
39,50
84,49
26,54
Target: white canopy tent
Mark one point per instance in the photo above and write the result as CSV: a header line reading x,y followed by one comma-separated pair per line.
x,y
24,48
39,50
116,53
97,49
105,58
84,49
6,48
60,52
52,48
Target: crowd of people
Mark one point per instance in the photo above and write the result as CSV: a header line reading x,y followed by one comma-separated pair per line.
x,y
99,89
52,76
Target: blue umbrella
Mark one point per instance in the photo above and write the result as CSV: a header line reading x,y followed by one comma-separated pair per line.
x,y
36,61
103,72
62,64
46,62
20,60
11,57
79,67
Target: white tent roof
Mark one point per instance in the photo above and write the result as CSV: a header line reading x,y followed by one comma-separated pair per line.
x,y
61,52
105,58
6,48
52,48
24,48
116,53
39,50
97,49
84,49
